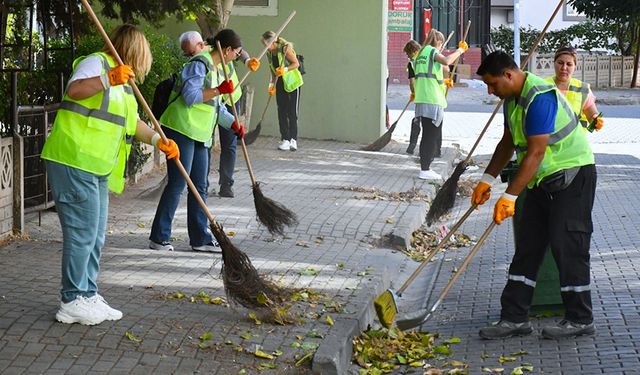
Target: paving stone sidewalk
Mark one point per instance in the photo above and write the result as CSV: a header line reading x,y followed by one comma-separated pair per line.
x,y
337,249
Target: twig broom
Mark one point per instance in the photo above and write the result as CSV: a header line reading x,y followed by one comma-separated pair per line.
x,y
446,196
242,282
270,213
251,136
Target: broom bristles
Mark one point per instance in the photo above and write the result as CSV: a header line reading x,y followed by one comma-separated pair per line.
x,y
379,143
251,136
272,214
386,308
446,196
242,282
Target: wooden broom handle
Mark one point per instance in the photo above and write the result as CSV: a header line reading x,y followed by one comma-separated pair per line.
x,y
455,66
435,251
235,115
266,47
531,52
147,110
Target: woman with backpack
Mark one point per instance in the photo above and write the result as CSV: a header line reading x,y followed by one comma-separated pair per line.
x,y
284,82
190,120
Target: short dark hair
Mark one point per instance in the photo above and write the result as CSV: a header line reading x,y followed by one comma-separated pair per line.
x,y
227,38
496,63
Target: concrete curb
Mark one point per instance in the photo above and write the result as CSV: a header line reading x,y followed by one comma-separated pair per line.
x,y
333,356
411,220
618,101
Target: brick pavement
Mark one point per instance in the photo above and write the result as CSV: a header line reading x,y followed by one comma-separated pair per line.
x,y
475,300
135,279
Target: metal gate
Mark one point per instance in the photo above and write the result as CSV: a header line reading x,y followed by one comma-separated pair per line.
x,y
33,127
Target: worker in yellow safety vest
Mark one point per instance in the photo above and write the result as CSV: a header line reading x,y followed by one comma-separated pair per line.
x,y
86,155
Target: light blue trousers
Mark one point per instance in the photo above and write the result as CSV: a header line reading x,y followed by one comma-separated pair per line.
x,y
82,201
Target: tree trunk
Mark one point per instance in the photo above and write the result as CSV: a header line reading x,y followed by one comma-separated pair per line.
x,y
227,5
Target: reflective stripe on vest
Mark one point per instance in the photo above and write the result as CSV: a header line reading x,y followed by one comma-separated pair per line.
x,y
567,146
196,121
429,88
292,79
577,94
94,134
237,92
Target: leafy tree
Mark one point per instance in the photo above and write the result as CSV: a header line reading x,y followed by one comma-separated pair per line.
x,y
625,15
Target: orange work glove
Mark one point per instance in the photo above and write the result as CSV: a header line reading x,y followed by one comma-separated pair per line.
x,y
272,89
238,128
117,76
463,46
226,87
253,64
448,82
505,207
482,192
281,70
412,97
599,123
170,148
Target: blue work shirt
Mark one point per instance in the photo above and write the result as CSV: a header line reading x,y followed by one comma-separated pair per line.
x,y
541,115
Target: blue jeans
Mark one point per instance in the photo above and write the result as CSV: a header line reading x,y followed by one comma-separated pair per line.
x,y
82,201
228,146
195,160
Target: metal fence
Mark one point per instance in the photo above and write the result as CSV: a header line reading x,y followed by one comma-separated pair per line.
x,y
599,71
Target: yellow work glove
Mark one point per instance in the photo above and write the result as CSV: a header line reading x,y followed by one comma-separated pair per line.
x,y
412,97
448,82
281,70
463,46
505,207
599,123
253,64
120,75
482,192
170,148
271,90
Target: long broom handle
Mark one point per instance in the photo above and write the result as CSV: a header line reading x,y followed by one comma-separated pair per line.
x,y
147,110
267,106
235,115
266,47
526,62
455,66
435,251
464,265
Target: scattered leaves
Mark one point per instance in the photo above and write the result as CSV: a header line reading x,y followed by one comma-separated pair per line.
x,y
340,266
304,359
302,243
504,359
309,272
328,320
255,319
131,337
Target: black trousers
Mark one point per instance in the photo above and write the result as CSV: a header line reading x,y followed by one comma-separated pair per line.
x,y
562,221
430,143
415,131
288,105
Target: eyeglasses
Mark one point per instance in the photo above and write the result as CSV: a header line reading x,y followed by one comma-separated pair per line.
x,y
238,52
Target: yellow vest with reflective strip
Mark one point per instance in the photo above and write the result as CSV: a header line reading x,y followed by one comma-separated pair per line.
x,y
567,146
429,83
292,79
95,134
196,122
231,72
576,95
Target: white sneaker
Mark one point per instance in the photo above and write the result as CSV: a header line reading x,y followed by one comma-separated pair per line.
x,y
285,145
211,247
82,311
164,246
429,175
100,303
293,145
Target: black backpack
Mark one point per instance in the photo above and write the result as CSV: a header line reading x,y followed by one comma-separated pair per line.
x,y
161,95
301,61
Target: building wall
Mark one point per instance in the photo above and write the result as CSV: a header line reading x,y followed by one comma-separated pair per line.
x,y
396,58
343,43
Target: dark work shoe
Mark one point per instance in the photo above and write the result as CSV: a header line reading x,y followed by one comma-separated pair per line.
x,y
226,191
503,329
568,329
411,148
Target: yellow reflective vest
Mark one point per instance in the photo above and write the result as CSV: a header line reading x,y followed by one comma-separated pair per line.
x,y
95,134
429,83
292,79
576,95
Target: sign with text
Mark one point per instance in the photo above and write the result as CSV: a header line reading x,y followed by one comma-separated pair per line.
x,y
400,17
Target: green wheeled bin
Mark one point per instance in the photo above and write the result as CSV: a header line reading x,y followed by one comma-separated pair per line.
x,y
547,300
